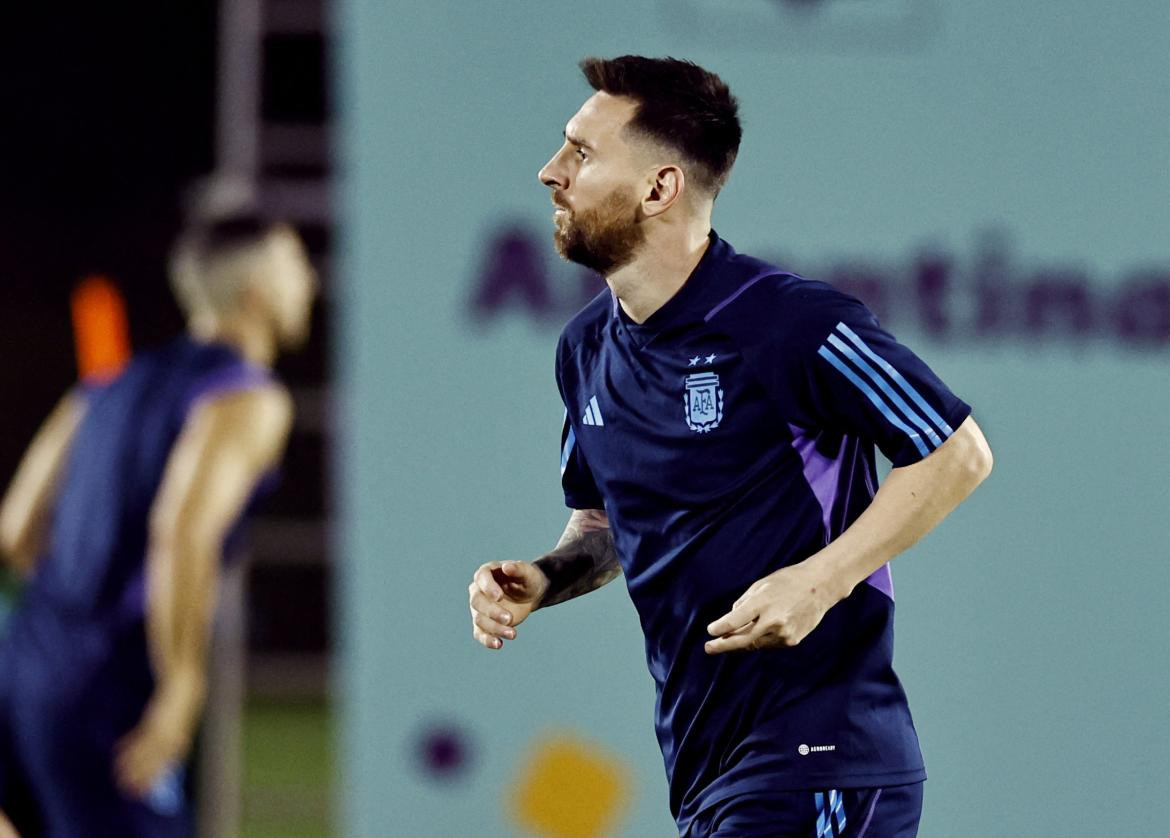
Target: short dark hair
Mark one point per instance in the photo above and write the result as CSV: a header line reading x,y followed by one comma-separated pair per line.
x,y
680,105
214,238
204,247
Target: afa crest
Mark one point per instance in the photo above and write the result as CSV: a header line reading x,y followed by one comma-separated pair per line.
x,y
704,401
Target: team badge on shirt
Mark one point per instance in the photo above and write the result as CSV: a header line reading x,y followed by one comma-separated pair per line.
x,y
704,401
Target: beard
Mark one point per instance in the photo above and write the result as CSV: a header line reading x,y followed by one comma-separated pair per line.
x,y
603,238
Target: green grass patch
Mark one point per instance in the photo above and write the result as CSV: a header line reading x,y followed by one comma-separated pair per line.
x,y
288,769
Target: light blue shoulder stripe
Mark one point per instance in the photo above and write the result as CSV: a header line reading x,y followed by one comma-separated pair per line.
x,y
930,412
877,401
898,401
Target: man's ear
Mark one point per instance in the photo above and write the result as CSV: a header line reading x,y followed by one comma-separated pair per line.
x,y
666,187
256,293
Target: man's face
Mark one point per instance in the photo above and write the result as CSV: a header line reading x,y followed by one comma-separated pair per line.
x,y
292,287
594,178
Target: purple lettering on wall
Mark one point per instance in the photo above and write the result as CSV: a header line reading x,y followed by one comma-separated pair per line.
x,y
932,276
949,298
1058,301
513,275
1142,315
992,263
865,282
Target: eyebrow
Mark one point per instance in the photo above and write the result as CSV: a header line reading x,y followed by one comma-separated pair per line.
x,y
576,140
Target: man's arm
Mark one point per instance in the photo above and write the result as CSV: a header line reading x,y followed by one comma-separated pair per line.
x,y
503,594
7,830
225,448
784,607
583,560
24,514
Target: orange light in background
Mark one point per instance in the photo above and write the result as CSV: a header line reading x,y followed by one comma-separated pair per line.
x,y
100,331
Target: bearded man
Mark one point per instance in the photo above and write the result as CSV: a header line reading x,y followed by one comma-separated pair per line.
x,y
718,451
121,515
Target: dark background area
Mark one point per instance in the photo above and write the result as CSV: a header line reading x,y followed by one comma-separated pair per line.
x,y
103,128
108,114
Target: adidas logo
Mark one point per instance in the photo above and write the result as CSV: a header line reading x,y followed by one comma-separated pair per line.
x,y
593,414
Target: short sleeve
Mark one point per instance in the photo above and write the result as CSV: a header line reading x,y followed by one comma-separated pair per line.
x,y
577,479
861,380
580,488
833,367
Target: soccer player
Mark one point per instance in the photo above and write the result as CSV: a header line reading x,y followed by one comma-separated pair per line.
x,y
718,450
121,513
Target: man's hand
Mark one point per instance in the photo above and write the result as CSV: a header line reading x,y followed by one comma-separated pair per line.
x,y
161,740
784,607
779,610
502,595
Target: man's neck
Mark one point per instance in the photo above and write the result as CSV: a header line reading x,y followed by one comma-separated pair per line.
x,y
253,342
660,269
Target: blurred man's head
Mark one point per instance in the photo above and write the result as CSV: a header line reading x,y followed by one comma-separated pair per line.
x,y
245,269
660,136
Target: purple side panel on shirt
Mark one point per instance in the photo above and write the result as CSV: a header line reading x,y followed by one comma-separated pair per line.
x,y
882,580
822,473
824,478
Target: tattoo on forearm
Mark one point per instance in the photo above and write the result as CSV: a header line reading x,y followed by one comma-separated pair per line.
x,y
583,560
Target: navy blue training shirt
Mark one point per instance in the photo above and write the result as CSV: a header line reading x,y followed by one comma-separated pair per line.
x,y
730,435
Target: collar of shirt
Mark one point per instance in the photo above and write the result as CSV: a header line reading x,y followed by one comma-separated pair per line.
x,y
687,303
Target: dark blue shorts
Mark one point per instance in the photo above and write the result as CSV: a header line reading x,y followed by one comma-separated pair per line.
x,y
891,812
59,722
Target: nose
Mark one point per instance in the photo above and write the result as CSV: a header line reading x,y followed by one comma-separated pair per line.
x,y
552,175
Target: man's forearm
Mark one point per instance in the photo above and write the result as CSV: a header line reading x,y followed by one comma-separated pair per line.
x,y
910,503
183,578
583,560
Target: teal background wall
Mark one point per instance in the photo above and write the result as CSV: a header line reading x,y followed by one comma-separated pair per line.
x,y
1033,627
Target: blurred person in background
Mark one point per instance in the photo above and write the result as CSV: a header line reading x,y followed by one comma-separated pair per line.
x,y
718,451
120,516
